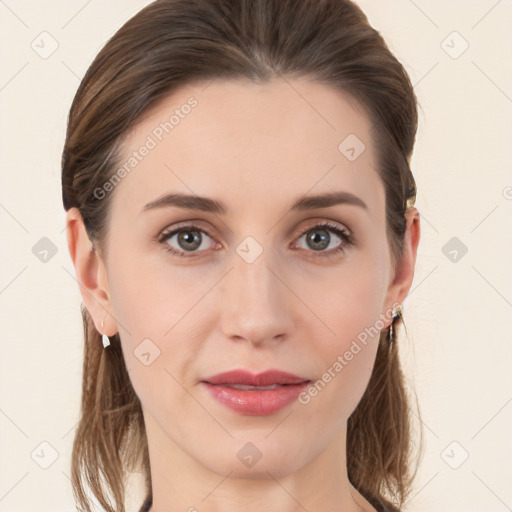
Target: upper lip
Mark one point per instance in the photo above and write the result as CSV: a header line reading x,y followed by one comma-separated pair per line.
x,y
266,378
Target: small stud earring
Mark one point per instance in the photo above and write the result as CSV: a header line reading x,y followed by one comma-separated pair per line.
x,y
397,312
104,338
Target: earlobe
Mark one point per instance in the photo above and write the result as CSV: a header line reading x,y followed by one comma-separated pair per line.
x,y
90,272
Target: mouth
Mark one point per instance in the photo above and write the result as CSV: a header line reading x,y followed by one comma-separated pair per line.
x,y
255,395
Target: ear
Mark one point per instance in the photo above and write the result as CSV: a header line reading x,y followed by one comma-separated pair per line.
x,y
90,273
404,274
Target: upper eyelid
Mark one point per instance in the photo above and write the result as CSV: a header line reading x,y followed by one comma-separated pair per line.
x,y
171,231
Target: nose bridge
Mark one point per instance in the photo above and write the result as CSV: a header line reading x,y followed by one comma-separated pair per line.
x,y
254,303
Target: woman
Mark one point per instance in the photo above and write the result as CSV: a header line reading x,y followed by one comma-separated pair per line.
x,y
240,217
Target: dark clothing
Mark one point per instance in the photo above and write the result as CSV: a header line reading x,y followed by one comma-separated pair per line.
x,y
379,507
146,505
375,503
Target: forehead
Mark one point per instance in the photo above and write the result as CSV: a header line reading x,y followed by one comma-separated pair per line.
x,y
250,143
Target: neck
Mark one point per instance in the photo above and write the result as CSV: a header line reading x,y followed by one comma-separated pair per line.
x,y
276,483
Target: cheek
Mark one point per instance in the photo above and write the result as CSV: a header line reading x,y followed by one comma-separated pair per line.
x,y
347,300
349,305
154,311
148,299
347,365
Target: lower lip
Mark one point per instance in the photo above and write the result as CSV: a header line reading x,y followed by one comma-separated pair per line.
x,y
256,403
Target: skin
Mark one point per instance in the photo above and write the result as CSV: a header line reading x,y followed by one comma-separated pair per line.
x,y
256,148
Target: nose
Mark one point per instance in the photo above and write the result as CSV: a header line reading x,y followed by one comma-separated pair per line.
x,y
255,304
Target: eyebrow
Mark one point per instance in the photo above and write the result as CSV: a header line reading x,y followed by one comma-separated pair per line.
x,y
205,204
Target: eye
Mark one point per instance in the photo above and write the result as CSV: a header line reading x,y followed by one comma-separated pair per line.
x,y
318,239
189,239
192,239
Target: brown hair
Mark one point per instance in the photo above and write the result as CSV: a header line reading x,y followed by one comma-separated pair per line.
x,y
171,43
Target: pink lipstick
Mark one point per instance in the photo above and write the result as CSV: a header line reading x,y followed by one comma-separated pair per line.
x,y
255,394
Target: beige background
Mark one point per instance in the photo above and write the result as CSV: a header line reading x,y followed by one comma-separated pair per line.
x,y
458,353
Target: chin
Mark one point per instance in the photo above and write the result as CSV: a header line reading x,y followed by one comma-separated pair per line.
x,y
246,459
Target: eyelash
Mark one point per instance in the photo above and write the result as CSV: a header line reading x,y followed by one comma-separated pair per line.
x,y
348,239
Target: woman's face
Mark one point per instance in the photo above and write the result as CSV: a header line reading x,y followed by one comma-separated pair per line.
x,y
254,284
